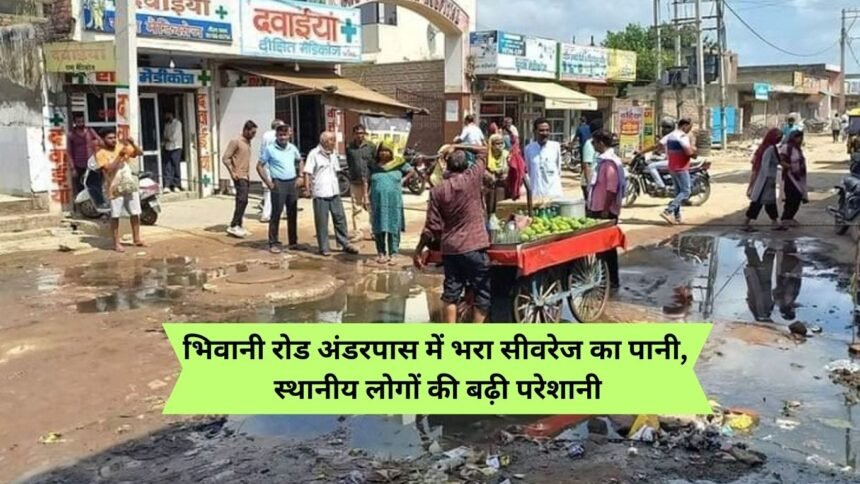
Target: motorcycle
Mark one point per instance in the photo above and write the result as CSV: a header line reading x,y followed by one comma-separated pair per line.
x,y
423,166
639,181
845,213
570,157
149,205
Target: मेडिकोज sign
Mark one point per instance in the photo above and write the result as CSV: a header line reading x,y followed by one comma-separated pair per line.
x,y
301,31
150,76
622,66
496,52
762,91
582,63
194,20
79,56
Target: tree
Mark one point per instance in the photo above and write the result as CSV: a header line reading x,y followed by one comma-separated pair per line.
x,y
643,41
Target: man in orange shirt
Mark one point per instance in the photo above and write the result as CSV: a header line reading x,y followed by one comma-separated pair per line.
x,y
112,157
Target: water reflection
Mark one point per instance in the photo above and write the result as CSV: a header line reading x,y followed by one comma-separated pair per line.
x,y
759,276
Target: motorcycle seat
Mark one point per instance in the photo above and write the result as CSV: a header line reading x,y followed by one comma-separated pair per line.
x,y
851,184
695,166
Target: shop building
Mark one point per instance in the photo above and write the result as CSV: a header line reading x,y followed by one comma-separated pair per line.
x,y
526,78
218,63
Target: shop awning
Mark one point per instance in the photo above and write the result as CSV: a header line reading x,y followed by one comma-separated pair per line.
x,y
341,92
556,95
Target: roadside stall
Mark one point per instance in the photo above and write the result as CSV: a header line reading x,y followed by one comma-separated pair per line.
x,y
544,260
853,129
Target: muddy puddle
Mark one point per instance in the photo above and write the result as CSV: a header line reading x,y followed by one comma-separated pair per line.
x,y
753,289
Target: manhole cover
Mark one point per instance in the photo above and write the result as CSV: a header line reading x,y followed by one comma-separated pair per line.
x,y
260,276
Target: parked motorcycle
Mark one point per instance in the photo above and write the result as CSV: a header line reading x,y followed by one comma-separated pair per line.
x,y
570,157
639,181
149,205
423,166
845,213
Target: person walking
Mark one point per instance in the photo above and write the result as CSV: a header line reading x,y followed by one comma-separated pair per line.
x,y
793,163
120,186
455,219
543,157
277,169
679,151
268,139
790,127
836,127
762,184
360,155
82,144
386,201
321,169
237,159
172,177
606,194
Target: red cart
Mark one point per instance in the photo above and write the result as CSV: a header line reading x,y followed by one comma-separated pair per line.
x,y
532,281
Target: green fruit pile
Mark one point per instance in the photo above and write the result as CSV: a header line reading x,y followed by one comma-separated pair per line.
x,y
545,227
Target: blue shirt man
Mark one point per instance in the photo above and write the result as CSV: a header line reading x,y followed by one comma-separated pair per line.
x,y
280,160
583,134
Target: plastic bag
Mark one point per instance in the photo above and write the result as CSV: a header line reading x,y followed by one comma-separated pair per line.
x,y
124,182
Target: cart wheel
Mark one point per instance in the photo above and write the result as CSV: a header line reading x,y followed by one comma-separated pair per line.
x,y
531,298
588,285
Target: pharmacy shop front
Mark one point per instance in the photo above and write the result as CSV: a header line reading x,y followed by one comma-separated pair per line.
x,y
183,92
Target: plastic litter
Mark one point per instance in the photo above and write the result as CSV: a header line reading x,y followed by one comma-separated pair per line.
x,y
575,451
644,428
842,365
786,424
498,461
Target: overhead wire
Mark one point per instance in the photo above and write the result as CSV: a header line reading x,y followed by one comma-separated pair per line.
x,y
771,44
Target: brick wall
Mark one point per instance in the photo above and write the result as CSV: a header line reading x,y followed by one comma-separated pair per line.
x,y
420,84
62,22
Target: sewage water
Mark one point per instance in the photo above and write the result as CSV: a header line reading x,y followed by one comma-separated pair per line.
x,y
753,289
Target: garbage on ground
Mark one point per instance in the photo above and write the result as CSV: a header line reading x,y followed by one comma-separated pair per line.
x,y
498,461
798,328
786,424
741,419
52,438
632,452
789,406
644,428
576,451
846,366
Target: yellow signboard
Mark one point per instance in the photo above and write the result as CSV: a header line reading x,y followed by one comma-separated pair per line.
x,y
622,66
76,57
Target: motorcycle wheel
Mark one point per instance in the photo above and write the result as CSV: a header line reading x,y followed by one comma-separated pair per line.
x,y
416,185
148,215
88,209
631,195
703,196
343,183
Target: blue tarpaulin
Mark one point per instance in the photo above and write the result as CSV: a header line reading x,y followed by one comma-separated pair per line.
x,y
716,123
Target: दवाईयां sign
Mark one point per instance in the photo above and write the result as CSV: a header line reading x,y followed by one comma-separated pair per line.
x,y
378,369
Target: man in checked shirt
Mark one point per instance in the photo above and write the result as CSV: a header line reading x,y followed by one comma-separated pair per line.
x,y
455,216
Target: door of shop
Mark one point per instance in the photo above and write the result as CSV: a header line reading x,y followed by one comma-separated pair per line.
x,y
150,135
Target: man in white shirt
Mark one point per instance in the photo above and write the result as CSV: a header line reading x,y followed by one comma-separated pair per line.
x,y
321,169
172,153
472,134
543,157
268,139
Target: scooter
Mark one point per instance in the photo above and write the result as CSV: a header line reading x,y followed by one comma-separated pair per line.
x,y
424,166
149,205
639,181
845,213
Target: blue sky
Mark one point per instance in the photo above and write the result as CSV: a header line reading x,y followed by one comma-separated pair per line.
x,y
799,26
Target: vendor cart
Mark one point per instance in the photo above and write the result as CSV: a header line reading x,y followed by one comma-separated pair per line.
x,y
532,281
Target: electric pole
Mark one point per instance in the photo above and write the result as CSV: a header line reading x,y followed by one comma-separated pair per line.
x,y
722,47
843,42
127,77
700,65
658,103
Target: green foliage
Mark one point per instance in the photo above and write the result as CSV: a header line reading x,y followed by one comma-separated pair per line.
x,y
643,41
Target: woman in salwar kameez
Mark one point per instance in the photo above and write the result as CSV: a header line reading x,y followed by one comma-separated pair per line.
x,y
386,201
793,163
762,186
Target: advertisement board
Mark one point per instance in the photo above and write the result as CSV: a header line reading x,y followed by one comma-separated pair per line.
x,y
501,53
191,20
622,66
582,63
